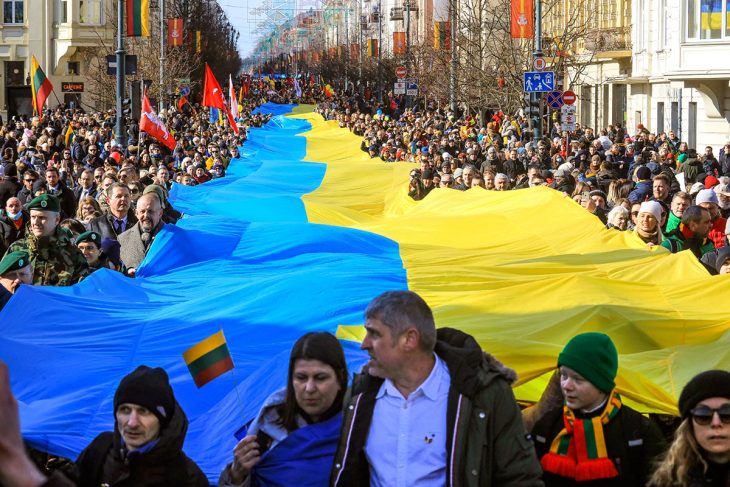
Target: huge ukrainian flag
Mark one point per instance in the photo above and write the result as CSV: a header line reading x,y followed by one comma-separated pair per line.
x,y
302,233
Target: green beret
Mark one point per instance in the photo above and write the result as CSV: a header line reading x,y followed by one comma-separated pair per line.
x,y
89,236
44,202
14,261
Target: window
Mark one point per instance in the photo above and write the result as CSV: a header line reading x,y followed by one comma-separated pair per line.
x,y
660,117
707,19
13,12
90,12
64,12
73,68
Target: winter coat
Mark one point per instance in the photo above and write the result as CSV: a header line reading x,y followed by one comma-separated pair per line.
x,y
488,445
633,442
642,192
691,168
106,462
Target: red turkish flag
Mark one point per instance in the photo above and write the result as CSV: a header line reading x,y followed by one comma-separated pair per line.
x,y
154,126
213,96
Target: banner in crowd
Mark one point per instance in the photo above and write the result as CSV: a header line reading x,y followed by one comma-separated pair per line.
x,y
138,18
522,19
41,87
150,123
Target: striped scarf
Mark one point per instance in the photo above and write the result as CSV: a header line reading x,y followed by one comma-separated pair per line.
x,y
579,450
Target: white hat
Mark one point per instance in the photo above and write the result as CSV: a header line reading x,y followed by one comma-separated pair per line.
x,y
706,196
652,207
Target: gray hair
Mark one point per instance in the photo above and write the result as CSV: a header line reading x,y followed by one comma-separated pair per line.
x,y
615,212
400,310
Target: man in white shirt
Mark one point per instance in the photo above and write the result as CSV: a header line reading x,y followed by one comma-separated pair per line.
x,y
430,408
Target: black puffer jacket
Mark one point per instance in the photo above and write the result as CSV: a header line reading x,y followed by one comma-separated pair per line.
x,y
106,462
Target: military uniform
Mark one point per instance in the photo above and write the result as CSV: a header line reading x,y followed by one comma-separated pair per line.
x,y
56,261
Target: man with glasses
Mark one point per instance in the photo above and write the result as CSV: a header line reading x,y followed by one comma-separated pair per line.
x,y
26,192
92,159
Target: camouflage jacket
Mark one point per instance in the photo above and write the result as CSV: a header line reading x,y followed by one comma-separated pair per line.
x,y
56,261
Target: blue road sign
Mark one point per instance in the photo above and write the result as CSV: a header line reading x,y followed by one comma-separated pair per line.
x,y
539,81
554,99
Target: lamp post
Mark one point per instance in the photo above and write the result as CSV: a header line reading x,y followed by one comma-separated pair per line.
x,y
380,50
119,128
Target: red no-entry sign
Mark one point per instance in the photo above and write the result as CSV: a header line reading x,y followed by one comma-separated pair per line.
x,y
401,72
568,97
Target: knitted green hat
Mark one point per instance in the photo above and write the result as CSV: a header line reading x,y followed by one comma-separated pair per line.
x,y
594,356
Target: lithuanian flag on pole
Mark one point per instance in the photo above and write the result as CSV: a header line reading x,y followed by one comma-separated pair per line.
x,y
138,18
208,359
69,134
40,86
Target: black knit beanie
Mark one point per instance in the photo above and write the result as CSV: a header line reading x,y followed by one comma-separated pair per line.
x,y
149,388
712,383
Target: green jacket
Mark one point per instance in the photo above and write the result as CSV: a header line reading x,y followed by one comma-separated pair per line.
x,y
56,260
673,222
487,443
678,240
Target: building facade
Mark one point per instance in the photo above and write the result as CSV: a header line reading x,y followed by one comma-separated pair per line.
x,y
56,32
658,63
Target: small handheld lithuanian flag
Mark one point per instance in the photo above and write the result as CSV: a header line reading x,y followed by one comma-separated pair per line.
x,y
208,359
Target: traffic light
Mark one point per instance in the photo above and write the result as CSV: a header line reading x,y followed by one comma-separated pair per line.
x,y
127,107
135,93
533,111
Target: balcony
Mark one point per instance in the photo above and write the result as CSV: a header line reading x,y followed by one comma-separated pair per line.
x,y
411,5
614,42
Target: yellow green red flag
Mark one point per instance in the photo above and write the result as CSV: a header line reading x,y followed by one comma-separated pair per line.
x,y
208,359
41,86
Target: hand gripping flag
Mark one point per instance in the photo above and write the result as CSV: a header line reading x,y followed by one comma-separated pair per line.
x,y
213,96
154,126
208,359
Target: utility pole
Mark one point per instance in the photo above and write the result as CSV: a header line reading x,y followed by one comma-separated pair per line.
x,y
537,130
120,135
162,55
453,15
408,46
380,50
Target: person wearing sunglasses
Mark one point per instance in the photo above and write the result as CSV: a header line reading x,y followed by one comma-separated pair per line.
x,y
700,453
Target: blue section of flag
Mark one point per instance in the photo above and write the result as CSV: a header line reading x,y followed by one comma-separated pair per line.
x,y
244,259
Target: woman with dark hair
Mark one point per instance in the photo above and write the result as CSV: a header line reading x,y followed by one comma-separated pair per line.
x,y
700,453
293,439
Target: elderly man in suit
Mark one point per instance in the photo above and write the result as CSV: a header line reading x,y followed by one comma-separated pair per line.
x,y
137,240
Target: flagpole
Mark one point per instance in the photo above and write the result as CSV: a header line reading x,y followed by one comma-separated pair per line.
x,y
120,74
162,55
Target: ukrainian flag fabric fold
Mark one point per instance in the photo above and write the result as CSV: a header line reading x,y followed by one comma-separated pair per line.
x,y
304,230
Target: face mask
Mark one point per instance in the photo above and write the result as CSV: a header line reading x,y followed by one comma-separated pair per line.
x,y
15,216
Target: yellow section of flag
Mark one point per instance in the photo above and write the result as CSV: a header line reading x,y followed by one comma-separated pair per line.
x,y
211,343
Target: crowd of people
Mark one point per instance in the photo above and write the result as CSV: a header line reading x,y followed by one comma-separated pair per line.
x,y
430,408
73,201
652,185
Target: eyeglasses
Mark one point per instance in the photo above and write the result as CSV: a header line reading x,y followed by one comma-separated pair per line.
x,y
703,415
133,191
30,180
635,213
